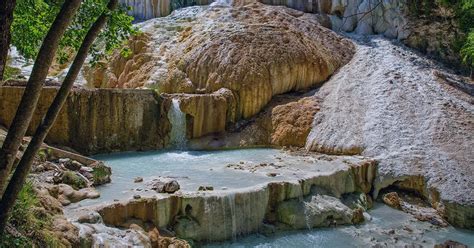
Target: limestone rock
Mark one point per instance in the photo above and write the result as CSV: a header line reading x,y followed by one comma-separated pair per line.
x,y
393,200
101,173
254,50
291,122
125,124
68,195
76,180
451,244
430,135
314,211
91,218
162,186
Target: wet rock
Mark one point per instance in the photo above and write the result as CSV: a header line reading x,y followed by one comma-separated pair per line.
x,y
272,174
91,218
358,216
314,211
451,244
138,180
205,188
137,196
393,200
169,187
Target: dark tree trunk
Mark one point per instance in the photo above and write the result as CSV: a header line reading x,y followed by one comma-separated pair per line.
x,y
32,92
6,19
24,166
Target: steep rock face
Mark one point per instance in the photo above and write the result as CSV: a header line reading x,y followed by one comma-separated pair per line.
x,y
359,16
94,121
145,10
148,9
254,50
390,104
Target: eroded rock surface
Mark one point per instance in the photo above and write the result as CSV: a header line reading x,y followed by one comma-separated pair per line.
x,y
389,104
254,50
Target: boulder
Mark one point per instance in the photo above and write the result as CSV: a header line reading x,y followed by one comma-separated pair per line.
x,y
76,180
314,211
162,186
91,218
393,200
101,173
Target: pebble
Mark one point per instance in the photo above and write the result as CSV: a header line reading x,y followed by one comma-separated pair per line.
x,y
138,180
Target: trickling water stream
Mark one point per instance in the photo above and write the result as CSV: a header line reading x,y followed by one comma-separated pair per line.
x,y
177,119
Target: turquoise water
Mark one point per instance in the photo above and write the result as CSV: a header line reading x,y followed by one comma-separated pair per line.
x,y
375,231
190,168
195,168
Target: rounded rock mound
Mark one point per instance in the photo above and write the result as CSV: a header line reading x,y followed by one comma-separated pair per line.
x,y
256,51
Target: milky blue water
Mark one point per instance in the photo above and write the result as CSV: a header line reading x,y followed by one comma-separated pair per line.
x,y
190,168
384,219
195,168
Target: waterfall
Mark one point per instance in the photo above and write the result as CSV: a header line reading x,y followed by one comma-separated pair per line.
x,y
178,126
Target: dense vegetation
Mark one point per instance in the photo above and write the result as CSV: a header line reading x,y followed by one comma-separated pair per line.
x,y
463,15
32,19
30,225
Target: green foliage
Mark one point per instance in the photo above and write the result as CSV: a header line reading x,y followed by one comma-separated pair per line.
x,y
467,51
32,19
100,174
29,225
11,72
464,15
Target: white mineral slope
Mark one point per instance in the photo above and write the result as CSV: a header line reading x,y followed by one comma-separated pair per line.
x,y
388,103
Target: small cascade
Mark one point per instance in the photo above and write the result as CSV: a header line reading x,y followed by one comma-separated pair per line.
x,y
177,119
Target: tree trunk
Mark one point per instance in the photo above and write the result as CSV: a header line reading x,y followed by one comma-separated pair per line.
x,y
24,166
32,92
6,19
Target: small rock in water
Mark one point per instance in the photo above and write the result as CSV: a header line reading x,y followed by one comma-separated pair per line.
x,y
224,188
205,188
272,174
166,187
367,216
451,244
138,180
137,196
242,162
